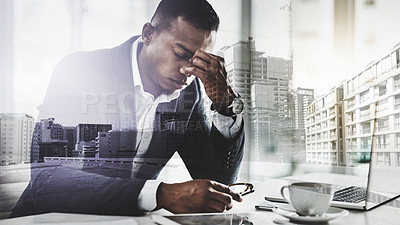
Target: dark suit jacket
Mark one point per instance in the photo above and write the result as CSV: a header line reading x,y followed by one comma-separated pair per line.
x,y
97,87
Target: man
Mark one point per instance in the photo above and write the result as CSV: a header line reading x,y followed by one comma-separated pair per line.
x,y
151,84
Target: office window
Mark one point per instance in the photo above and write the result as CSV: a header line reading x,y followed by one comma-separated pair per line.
x,y
333,145
398,140
365,112
379,68
350,158
380,90
386,158
380,158
352,117
382,141
397,102
349,87
383,124
386,64
365,127
352,130
398,159
394,60
364,96
396,82
363,78
353,143
398,58
397,121
355,82
332,111
366,143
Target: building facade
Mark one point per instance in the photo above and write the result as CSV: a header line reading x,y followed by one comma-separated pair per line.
x,y
359,115
49,140
89,132
116,144
372,109
324,129
71,136
86,135
16,131
301,99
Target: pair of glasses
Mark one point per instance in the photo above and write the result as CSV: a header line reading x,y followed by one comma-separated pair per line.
x,y
243,188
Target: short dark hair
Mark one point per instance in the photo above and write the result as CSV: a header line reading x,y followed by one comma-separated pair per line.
x,y
197,12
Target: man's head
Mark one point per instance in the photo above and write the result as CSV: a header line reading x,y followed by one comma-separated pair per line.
x,y
177,30
199,13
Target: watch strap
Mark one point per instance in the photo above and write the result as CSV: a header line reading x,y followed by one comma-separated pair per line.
x,y
223,110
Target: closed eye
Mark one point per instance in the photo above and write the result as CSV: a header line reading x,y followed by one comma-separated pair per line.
x,y
180,56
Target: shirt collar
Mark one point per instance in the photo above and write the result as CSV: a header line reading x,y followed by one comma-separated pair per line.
x,y
137,80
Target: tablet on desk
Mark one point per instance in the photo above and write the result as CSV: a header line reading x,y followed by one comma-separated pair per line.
x,y
195,219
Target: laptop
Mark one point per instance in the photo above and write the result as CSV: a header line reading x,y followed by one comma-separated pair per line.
x,y
383,184
379,190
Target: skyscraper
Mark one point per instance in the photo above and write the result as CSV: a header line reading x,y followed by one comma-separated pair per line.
x,y
298,104
15,138
70,135
86,136
49,140
89,132
303,98
264,84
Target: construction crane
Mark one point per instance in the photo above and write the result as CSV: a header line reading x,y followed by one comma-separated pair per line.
x,y
288,6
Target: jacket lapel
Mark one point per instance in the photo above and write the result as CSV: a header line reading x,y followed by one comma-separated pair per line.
x,y
123,83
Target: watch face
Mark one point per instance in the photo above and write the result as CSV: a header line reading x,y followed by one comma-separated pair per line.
x,y
237,105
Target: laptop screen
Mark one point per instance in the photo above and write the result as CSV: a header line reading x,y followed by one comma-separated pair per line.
x,y
383,181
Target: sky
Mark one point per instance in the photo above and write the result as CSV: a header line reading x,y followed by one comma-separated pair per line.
x,y
44,31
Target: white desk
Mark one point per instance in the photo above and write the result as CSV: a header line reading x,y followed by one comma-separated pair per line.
x,y
382,215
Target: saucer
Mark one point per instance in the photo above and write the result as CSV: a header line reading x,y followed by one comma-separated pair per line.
x,y
331,214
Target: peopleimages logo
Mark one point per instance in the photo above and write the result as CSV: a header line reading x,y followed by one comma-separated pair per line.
x,y
107,102
124,102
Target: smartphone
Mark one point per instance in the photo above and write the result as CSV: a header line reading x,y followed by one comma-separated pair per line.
x,y
265,207
275,199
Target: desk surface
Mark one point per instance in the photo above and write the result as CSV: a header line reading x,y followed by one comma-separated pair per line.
x,y
387,214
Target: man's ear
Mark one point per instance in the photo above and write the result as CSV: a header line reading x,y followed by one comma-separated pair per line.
x,y
147,33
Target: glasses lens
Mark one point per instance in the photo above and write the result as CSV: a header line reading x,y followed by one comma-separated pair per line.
x,y
242,188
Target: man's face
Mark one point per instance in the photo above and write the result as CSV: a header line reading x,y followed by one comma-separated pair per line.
x,y
167,51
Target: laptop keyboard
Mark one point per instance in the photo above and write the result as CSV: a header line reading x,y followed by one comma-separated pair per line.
x,y
350,194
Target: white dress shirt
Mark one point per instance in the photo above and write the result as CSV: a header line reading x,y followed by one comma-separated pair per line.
x,y
145,110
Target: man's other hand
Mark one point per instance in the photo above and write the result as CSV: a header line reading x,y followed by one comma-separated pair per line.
x,y
196,196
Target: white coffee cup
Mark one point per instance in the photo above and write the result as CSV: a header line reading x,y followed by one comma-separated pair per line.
x,y
308,198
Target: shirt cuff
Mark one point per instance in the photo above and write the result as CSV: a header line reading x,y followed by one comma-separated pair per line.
x,y
226,125
147,200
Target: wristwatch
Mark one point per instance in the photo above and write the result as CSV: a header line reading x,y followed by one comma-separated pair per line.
x,y
235,108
